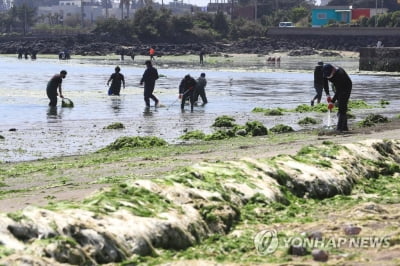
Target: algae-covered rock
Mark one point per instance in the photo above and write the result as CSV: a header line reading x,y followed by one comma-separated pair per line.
x,y
303,108
224,121
373,119
258,110
116,125
196,134
221,134
134,142
272,112
280,128
359,104
256,128
307,120
383,103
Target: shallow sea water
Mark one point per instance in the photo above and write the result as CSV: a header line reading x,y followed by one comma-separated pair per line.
x,y
233,89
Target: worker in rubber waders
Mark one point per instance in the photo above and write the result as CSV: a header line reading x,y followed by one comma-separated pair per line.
x,y
117,79
343,85
186,91
52,86
149,78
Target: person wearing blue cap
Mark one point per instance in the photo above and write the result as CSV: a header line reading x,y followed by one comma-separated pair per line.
x,y
343,85
320,83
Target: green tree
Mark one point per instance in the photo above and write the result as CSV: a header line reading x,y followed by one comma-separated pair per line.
x,y
221,24
145,24
163,24
395,18
203,20
23,15
116,29
6,22
298,13
242,28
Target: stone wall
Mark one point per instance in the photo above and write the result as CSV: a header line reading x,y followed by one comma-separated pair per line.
x,y
348,39
380,59
363,40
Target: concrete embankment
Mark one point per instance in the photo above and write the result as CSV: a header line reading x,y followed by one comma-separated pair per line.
x,y
183,209
282,39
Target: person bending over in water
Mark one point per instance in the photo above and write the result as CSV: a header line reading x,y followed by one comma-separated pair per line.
x,y
52,86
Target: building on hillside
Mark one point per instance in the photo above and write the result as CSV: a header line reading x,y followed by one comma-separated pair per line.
x,y
91,10
5,5
178,7
324,15
324,2
233,9
70,10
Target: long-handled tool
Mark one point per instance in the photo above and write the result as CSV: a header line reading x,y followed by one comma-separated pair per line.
x,y
177,99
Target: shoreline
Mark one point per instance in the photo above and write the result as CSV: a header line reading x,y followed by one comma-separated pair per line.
x,y
33,189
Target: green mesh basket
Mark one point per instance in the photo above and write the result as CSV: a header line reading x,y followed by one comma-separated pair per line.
x,y
67,103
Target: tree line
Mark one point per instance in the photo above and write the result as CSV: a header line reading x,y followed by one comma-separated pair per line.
x,y
153,24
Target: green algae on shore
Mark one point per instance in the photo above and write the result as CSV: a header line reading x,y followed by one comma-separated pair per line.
x,y
234,200
116,125
134,142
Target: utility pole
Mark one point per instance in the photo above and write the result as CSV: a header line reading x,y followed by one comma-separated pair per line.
x,y
255,11
107,8
82,14
376,13
25,18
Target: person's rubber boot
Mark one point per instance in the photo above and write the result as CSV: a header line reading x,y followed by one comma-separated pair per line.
x,y
342,123
312,103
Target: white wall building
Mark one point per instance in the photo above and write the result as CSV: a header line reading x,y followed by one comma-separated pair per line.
x,y
73,8
324,2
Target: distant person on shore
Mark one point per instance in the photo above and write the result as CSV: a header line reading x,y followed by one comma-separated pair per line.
x,y
149,78
20,51
133,54
152,53
200,89
122,54
52,86
117,79
186,91
320,83
64,55
33,54
343,85
201,55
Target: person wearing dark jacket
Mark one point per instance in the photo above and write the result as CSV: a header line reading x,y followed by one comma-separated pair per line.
x,y
343,85
117,79
186,90
200,89
320,83
149,78
52,86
